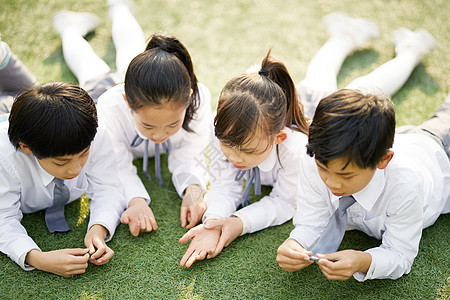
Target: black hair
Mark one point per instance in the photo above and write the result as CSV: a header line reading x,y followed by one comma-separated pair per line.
x,y
163,73
265,99
353,125
53,119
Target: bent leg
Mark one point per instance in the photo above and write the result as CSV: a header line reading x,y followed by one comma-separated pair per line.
x,y
127,35
77,52
14,75
346,35
411,47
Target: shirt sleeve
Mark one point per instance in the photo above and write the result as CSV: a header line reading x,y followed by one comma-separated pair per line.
x,y
113,120
279,206
225,194
403,231
187,159
313,205
14,240
104,187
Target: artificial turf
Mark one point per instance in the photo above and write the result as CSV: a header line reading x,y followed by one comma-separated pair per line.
x,y
224,38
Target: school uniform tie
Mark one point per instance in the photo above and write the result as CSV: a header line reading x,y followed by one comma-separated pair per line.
x,y
253,176
54,215
167,146
334,232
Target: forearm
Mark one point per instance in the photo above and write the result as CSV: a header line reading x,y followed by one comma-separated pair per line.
x,y
34,259
98,231
363,261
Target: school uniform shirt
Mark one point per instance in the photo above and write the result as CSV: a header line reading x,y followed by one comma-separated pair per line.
x,y
225,194
399,201
25,187
186,159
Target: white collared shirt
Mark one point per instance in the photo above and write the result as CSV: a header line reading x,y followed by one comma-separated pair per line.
x,y
186,159
25,187
225,194
395,206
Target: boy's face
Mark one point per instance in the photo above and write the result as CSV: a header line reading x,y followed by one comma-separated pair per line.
x,y
344,181
67,166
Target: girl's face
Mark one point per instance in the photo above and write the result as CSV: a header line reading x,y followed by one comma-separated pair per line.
x,y
254,152
158,123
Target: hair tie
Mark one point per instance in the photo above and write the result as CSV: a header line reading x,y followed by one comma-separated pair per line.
x,y
263,72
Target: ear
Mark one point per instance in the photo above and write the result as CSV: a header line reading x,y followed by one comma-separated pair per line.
x,y
281,136
385,160
25,148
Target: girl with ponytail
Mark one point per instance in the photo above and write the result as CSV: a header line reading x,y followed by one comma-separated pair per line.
x,y
160,107
260,131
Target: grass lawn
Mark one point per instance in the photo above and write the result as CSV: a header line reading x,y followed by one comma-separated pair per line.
x,y
224,38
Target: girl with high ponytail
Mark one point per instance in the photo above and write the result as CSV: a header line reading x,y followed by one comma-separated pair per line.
x,y
260,134
160,107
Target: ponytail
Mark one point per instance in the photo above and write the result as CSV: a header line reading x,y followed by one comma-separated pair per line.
x,y
264,102
163,73
278,73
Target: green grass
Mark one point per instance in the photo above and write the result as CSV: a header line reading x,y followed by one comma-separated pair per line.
x,y
224,38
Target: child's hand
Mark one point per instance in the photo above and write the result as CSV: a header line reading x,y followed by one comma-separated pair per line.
x,y
291,256
94,240
203,243
64,262
343,264
193,206
230,227
139,217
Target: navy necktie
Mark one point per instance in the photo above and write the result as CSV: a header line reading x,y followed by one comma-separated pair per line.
x,y
167,146
54,215
253,176
332,237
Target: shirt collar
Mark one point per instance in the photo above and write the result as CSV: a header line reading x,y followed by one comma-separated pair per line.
x,y
369,195
46,178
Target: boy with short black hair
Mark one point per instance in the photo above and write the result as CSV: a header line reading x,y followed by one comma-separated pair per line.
x,y
51,155
352,179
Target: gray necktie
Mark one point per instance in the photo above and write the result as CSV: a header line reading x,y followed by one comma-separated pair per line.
x,y
253,175
167,146
54,215
334,232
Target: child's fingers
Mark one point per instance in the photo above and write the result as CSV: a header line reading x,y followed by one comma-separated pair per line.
x,y
106,256
134,228
196,256
193,219
153,222
148,225
186,237
183,216
101,248
124,219
141,218
78,251
91,249
186,256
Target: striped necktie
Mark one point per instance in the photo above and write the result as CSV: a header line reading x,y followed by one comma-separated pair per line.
x,y
54,215
167,146
253,176
332,237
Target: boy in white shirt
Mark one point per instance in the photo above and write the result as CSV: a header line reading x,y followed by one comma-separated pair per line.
x,y
51,155
399,188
